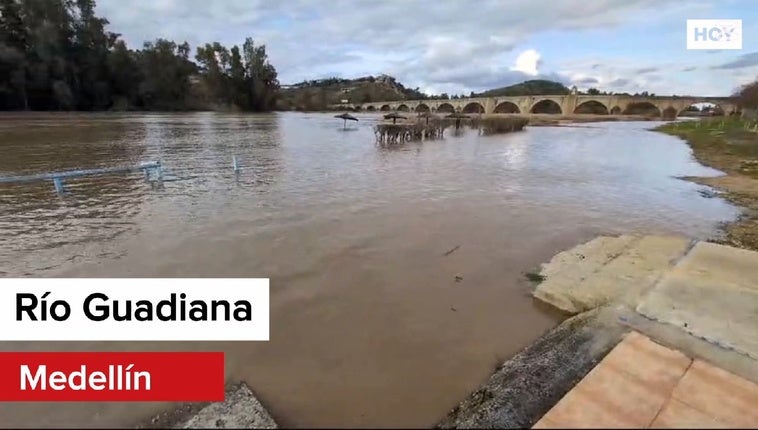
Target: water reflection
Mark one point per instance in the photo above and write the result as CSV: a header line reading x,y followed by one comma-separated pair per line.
x,y
300,163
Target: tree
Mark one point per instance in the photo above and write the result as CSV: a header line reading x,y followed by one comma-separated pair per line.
x,y
261,78
91,48
125,76
213,60
593,91
13,46
58,54
167,70
747,96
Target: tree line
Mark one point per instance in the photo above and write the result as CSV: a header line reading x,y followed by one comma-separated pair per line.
x,y
58,55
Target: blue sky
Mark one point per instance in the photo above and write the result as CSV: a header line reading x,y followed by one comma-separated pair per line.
x,y
458,46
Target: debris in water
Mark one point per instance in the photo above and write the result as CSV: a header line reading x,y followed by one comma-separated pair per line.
x,y
451,251
458,278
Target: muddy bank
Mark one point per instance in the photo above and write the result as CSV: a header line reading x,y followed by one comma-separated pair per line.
x,y
730,145
699,297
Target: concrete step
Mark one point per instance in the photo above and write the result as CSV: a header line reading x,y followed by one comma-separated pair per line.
x,y
711,294
608,269
569,268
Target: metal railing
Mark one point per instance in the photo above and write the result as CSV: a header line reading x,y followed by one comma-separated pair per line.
x,y
58,178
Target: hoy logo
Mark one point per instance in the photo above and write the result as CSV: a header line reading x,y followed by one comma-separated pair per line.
x,y
714,34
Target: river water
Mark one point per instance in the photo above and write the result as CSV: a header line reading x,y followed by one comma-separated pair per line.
x,y
369,326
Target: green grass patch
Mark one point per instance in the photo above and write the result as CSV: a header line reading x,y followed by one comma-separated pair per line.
x,y
535,276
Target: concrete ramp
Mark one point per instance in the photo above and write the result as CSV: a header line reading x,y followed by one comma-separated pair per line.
x,y
608,269
711,294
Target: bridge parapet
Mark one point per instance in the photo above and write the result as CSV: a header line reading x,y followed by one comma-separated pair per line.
x,y
568,103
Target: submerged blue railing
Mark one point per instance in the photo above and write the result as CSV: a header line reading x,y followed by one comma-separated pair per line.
x,y
58,178
153,172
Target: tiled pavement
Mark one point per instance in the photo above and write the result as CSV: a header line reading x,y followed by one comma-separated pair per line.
x,y
641,384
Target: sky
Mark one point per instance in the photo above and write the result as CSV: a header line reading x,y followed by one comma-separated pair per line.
x,y
459,46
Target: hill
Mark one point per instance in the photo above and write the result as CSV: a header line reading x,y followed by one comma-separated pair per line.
x,y
535,87
318,94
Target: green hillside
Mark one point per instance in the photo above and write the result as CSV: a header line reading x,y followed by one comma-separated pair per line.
x,y
318,94
535,87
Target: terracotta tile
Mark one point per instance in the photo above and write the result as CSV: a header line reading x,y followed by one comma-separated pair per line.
x,y
652,363
720,394
679,415
546,423
607,397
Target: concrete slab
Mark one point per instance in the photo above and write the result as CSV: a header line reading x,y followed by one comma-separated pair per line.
x,y
713,295
636,270
240,410
722,264
569,268
725,397
641,384
680,415
626,390
590,256
611,270
673,337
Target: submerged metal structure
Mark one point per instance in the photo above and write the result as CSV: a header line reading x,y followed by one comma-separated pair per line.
x,y
153,170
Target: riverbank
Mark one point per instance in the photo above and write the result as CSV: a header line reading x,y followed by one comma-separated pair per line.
x,y
691,299
730,145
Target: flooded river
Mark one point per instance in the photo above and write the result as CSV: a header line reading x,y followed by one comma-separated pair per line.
x,y
368,324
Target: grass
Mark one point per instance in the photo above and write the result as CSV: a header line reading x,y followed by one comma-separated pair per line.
x,y
535,276
495,125
730,145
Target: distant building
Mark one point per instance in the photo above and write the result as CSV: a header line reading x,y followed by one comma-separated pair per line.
x,y
344,101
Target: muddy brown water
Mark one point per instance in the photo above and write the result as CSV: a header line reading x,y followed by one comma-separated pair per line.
x,y
368,324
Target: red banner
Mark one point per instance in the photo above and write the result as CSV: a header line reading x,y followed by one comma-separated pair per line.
x,y
112,376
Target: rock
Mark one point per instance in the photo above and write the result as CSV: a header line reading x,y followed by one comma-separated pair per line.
x,y
240,410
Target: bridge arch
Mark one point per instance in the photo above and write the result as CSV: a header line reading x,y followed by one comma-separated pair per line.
x,y
546,106
384,108
403,108
669,113
507,107
445,108
642,108
710,109
422,108
592,107
370,108
473,107
616,110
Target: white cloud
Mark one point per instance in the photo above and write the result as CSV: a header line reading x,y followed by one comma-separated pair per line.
x,y
527,62
451,46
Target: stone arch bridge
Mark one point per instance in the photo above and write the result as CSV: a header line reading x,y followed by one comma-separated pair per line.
x,y
669,107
